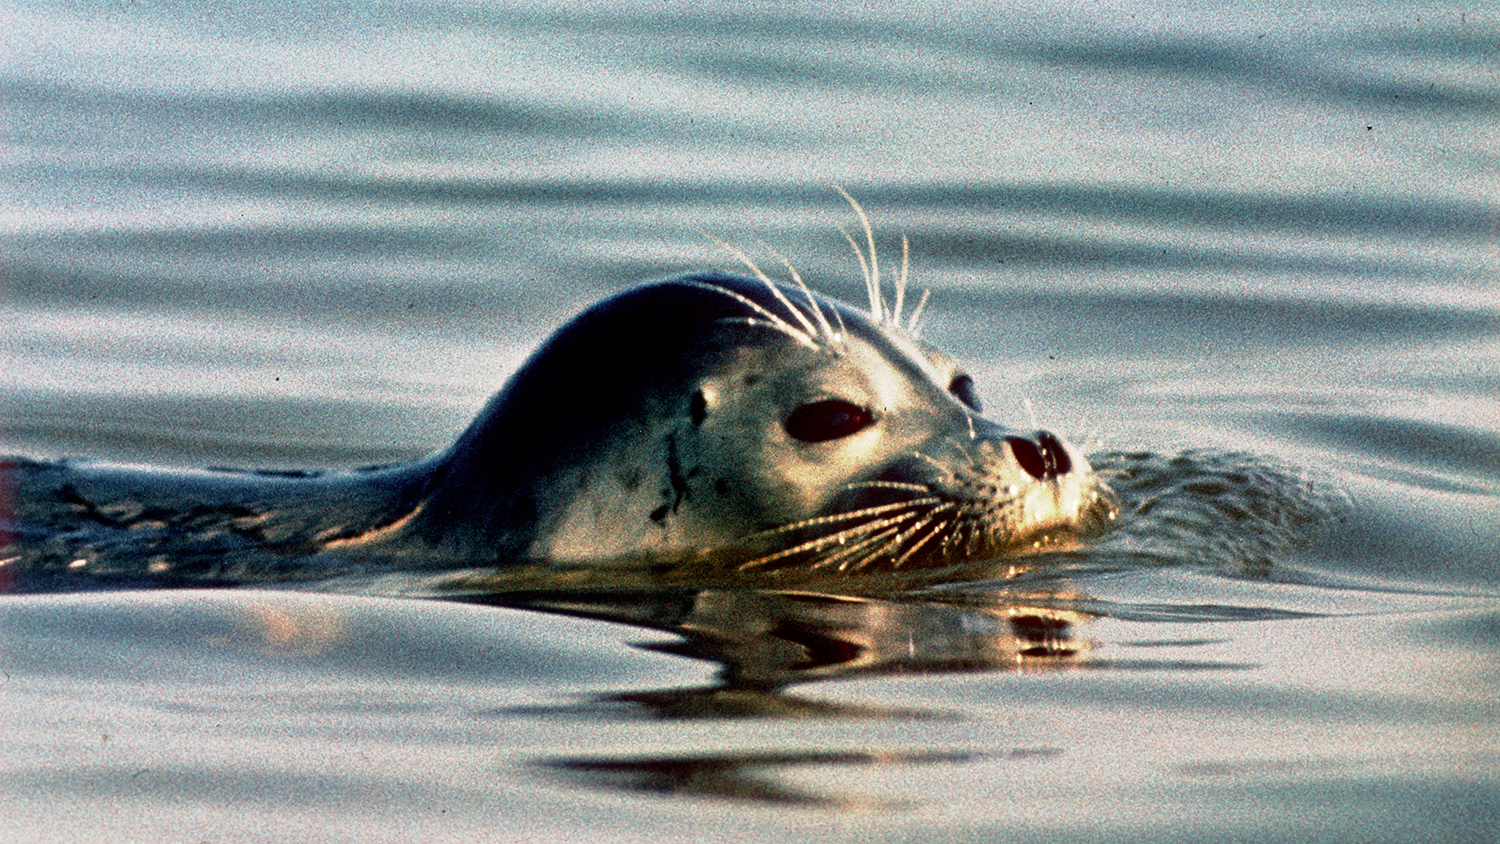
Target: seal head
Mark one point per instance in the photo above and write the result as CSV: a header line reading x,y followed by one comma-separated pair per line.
x,y
761,425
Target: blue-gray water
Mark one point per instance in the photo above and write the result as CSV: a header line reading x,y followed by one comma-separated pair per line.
x,y
288,234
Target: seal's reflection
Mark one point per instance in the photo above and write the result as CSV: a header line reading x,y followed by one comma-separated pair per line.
x,y
768,641
741,775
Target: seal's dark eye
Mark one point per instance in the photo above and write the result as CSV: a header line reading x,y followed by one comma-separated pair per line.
x,y
962,387
830,419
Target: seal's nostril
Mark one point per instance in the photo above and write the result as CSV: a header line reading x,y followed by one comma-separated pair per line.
x,y
1029,456
1044,458
1055,452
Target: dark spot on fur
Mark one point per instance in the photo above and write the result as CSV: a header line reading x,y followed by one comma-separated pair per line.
x,y
630,479
680,487
661,512
698,409
721,486
84,507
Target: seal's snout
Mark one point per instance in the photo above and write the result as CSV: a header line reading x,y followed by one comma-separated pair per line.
x,y
1043,455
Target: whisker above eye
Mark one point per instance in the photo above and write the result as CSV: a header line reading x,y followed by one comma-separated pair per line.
x,y
908,487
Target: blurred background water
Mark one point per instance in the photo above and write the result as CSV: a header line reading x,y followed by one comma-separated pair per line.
x,y
304,234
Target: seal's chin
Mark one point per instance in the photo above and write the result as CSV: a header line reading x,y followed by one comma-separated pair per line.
x,y
950,504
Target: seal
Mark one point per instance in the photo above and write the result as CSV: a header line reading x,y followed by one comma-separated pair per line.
x,y
712,417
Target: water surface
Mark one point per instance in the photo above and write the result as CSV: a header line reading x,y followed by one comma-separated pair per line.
x,y
293,235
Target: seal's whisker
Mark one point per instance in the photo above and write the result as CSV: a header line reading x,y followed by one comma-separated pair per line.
x,y
840,537
799,337
888,485
841,556
877,530
810,545
914,322
901,282
855,560
872,275
839,318
845,516
872,288
936,520
936,530
777,322
772,286
738,254
812,301
891,541
1030,411
799,312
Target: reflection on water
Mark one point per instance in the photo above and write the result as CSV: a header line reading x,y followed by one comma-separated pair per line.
x,y
766,641
740,776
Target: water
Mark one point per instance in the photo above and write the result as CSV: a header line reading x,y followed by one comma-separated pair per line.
x,y
295,235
